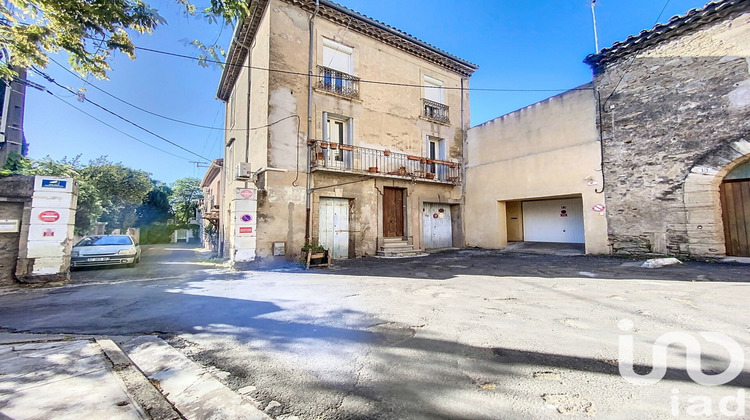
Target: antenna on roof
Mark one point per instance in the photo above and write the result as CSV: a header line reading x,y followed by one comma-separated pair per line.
x,y
596,36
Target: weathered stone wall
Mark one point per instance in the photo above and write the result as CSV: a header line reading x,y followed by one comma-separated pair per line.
x,y
680,112
15,204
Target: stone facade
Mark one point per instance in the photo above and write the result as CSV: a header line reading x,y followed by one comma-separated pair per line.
x,y
268,126
675,118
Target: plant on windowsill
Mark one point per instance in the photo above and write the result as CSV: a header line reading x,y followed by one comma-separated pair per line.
x,y
412,157
372,169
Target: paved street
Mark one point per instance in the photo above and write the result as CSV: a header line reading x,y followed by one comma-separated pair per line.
x,y
459,334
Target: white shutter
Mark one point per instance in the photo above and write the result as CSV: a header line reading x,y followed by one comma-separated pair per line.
x,y
433,89
337,56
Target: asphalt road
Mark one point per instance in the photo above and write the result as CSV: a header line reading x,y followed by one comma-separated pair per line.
x,y
461,334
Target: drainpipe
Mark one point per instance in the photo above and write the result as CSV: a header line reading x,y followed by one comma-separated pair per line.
x,y
463,162
308,191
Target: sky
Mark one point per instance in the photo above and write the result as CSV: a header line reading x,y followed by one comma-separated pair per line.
x,y
524,45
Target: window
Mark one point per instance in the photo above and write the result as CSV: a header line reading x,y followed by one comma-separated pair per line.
x,y
433,103
232,106
436,151
337,68
339,131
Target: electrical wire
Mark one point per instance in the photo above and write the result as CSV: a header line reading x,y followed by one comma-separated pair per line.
x,y
53,81
374,82
136,106
113,127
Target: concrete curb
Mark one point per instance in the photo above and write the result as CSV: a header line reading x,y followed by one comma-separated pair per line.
x,y
193,391
138,386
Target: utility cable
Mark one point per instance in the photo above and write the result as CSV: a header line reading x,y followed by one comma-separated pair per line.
x,y
136,106
374,82
113,127
51,80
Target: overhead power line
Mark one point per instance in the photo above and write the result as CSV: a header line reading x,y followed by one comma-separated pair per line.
x,y
374,82
51,80
136,106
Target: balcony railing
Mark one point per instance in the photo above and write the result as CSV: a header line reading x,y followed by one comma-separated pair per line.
x,y
435,111
382,163
338,82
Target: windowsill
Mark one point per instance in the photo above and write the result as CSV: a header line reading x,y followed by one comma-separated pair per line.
x,y
338,95
447,124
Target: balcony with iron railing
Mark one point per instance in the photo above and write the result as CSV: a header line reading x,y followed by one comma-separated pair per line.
x,y
338,82
435,111
340,158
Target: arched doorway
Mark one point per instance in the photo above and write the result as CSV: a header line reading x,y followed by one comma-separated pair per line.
x,y
735,205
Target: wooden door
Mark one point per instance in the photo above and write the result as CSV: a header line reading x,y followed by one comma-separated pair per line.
x,y
334,226
393,212
735,204
514,216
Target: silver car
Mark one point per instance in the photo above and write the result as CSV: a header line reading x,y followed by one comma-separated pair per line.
x,y
105,250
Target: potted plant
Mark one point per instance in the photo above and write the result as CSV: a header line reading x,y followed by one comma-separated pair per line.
x,y
324,144
386,152
430,175
412,157
346,147
422,160
334,146
372,169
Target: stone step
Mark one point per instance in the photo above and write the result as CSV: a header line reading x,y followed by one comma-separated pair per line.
x,y
401,253
395,244
394,239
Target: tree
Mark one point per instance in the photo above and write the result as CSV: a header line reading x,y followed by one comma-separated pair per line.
x,y
89,204
89,30
156,207
185,195
121,190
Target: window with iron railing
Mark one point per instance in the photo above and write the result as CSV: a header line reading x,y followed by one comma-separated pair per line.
x,y
435,111
338,82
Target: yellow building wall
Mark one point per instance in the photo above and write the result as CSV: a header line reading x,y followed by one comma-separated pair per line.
x,y
547,150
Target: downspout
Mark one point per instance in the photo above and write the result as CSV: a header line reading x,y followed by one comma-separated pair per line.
x,y
308,190
463,164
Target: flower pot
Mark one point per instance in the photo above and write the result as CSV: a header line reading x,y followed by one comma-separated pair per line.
x,y
334,146
373,169
324,145
345,147
412,157
430,175
319,156
422,160
386,152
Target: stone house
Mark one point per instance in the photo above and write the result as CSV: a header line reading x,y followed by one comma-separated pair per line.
x,y
675,125
209,208
341,130
534,175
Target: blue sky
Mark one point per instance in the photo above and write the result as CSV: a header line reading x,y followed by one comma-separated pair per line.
x,y
517,44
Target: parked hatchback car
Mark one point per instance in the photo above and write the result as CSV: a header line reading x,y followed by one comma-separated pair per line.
x,y
105,250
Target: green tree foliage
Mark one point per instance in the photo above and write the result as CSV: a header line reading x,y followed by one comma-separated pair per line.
x,y
185,195
156,207
121,190
89,30
89,204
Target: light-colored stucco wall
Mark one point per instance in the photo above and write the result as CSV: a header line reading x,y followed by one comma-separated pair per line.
x,y
547,150
385,117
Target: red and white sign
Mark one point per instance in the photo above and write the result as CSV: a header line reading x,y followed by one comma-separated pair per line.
x,y
49,216
246,193
48,233
598,207
246,229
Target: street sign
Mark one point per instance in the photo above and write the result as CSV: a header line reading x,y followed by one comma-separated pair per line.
x,y
49,216
598,207
246,193
54,183
247,218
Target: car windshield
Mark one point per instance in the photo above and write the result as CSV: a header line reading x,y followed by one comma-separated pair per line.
x,y
105,240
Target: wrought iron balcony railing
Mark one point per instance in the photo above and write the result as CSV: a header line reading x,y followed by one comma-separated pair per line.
x,y
383,163
435,111
338,82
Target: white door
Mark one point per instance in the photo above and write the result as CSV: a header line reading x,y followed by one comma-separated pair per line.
x,y
553,221
334,226
436,225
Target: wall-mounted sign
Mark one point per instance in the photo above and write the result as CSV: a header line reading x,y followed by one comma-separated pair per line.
x,y
49,216
246,229
247,218
598,207
48,233
563,213
246,193
10,226
592,183
435,216
54,183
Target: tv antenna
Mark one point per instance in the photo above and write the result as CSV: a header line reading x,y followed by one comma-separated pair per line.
x,y
596,35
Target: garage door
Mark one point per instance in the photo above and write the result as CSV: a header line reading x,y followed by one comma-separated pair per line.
x,y
334,226
553,221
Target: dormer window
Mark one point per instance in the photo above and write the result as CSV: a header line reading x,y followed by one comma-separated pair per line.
x,y
336,70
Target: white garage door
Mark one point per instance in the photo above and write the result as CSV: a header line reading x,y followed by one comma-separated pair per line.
x,y
553,221
334,226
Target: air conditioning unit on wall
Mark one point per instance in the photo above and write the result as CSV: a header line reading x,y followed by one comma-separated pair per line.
x,y
243,172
